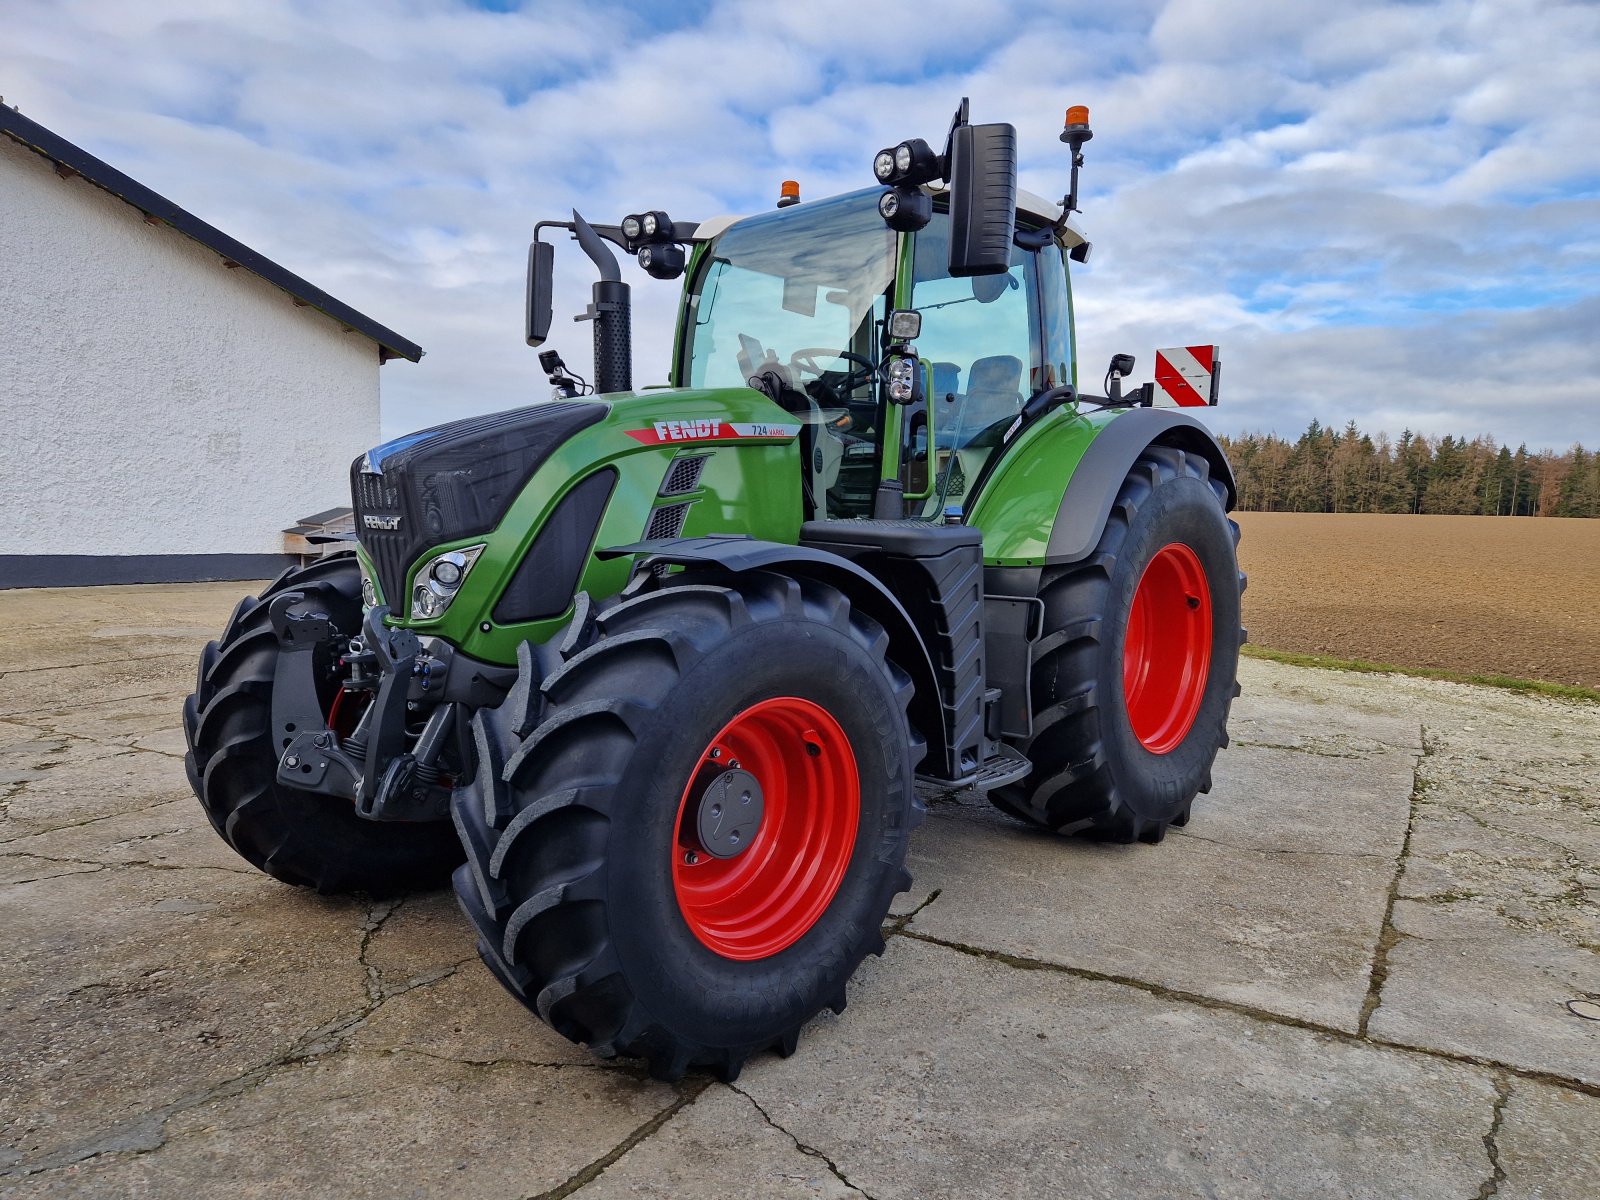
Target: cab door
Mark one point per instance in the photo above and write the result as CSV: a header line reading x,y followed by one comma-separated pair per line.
x,y
986,350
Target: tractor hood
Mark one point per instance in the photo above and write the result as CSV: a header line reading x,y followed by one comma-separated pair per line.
x,y
453,481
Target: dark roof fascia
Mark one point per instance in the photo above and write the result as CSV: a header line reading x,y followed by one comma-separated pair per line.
x,y
80,162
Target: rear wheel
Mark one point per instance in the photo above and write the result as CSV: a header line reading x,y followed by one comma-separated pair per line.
x,y
684,838
299,837
1136,670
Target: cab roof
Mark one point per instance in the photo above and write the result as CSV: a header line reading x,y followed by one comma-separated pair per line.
x,y
1068,234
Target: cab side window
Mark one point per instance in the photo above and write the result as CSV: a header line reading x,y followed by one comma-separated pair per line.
x,y
1056,295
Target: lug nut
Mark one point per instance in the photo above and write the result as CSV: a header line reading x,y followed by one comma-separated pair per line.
x,y
690,858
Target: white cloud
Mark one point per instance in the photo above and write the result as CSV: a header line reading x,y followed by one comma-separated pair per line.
x,y
1381,211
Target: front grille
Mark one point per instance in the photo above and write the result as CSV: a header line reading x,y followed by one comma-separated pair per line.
x,y
391,556
667,522
373,495
684,475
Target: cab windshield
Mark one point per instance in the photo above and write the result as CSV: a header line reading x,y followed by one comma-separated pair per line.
x,y
795,289
802,293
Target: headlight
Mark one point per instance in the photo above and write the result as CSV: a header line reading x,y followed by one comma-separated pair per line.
x,y
369,591
427,604
438,580
902,380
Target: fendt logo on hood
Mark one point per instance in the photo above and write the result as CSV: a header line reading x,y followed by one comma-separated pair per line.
x,y
686,431
689,429
389,523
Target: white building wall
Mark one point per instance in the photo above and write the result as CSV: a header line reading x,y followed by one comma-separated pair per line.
x,y
153,400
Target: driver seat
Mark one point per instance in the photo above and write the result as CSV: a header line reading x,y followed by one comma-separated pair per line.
x,y
994,390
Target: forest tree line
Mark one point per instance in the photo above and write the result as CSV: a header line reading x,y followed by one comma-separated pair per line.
x,y
1349,471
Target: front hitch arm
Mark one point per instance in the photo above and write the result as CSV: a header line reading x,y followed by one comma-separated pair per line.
x,y
312,758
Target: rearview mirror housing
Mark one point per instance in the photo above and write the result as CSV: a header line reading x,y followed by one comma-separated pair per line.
x,y
983,198
541,265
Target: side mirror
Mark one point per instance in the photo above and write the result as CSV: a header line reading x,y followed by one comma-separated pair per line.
x,y
983,198
541,265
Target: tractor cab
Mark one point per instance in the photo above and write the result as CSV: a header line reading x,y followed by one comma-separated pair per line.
x,y
798,301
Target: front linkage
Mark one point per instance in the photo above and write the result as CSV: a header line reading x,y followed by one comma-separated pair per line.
x,y
396,680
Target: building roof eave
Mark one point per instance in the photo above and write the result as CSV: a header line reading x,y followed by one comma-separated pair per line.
x,y
156,207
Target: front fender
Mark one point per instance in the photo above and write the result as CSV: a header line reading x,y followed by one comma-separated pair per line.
x,y
865,591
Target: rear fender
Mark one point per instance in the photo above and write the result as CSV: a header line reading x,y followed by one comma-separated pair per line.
x,y
865,592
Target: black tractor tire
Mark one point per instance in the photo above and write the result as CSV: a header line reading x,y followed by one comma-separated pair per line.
x,y
302,838
1102,767
574,823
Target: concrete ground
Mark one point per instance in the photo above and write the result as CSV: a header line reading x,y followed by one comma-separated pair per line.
x,y
1369,967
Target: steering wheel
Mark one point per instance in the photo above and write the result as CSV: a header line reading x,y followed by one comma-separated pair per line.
x,y
810,360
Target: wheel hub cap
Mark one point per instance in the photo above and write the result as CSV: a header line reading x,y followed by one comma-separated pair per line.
x,y
730,813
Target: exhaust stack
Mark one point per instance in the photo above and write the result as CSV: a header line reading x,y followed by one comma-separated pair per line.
x,y
611,311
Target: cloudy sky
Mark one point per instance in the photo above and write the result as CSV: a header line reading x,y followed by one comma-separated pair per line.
x,y
1386,212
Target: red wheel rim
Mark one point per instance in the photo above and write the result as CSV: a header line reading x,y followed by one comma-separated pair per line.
x,y
1167,656
764,900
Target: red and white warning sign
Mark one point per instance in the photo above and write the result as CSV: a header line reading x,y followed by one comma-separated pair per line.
x,y
1188,374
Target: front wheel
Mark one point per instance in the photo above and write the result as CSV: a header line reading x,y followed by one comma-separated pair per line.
x,y
1136,670
683,840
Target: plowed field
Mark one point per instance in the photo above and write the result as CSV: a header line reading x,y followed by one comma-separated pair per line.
x,y
1480,595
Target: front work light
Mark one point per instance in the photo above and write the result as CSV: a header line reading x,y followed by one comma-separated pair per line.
x,y
906,209
908,164
905,325
662,262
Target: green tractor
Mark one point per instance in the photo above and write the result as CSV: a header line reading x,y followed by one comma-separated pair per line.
x,y
660,674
